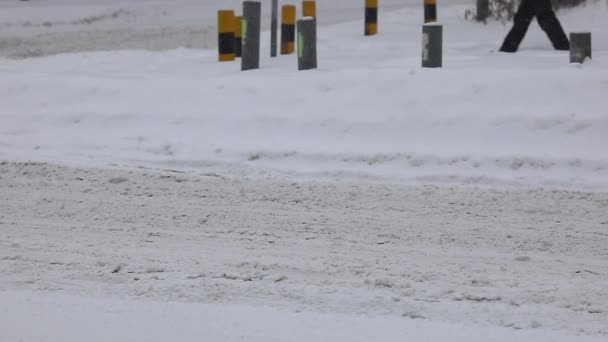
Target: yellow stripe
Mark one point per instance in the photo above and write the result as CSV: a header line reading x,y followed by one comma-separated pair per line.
x,y
309,8
371,29
225,21
290,48
372,3
289,15
430,2
227,57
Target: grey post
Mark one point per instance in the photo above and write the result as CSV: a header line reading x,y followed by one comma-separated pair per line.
x,y
483,10
432,45
252,14
274,27
307,44
580,46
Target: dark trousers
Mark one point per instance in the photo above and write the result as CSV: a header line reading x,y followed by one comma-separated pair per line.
x,y
543,11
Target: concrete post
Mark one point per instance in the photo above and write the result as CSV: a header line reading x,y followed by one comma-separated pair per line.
x,y
274,26
252,14
307,44
432,46
483,10
580,46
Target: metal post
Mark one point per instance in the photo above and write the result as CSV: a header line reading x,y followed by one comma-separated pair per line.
x,y
483,10
252,14
432,44
371,17
274,24
307,44
580,46
430,11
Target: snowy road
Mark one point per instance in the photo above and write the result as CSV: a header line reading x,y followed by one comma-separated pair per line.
x,y
529,259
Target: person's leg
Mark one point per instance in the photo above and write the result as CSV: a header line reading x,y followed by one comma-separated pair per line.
x,y
521,22
552,27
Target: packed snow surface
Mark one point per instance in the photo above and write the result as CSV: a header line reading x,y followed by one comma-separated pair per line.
x,y
519,259
149,192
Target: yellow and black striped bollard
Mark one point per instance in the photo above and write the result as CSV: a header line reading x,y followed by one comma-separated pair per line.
x,y
309,8
288,29
226,47
430,11
238,35
371,17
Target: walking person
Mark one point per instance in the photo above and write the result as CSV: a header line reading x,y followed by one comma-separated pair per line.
x,y
544,13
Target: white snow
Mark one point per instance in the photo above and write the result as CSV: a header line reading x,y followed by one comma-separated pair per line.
x,y
148,191
370,110
520,259
71,319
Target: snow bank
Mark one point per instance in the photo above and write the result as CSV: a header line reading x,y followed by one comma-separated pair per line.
x,y
370,111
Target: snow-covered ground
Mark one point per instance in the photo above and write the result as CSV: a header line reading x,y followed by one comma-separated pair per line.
x,y
64,318
520,259
368,199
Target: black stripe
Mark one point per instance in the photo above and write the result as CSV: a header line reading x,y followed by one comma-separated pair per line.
x,y
238,47
371,15
288,33
430,12
226,43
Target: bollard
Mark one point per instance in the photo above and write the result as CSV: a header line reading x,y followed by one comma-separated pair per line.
x,y
307,43
274,19
483,10
309,8
430,11
252,14
580,46
432,41
238,35
225,26
288,29
371,17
